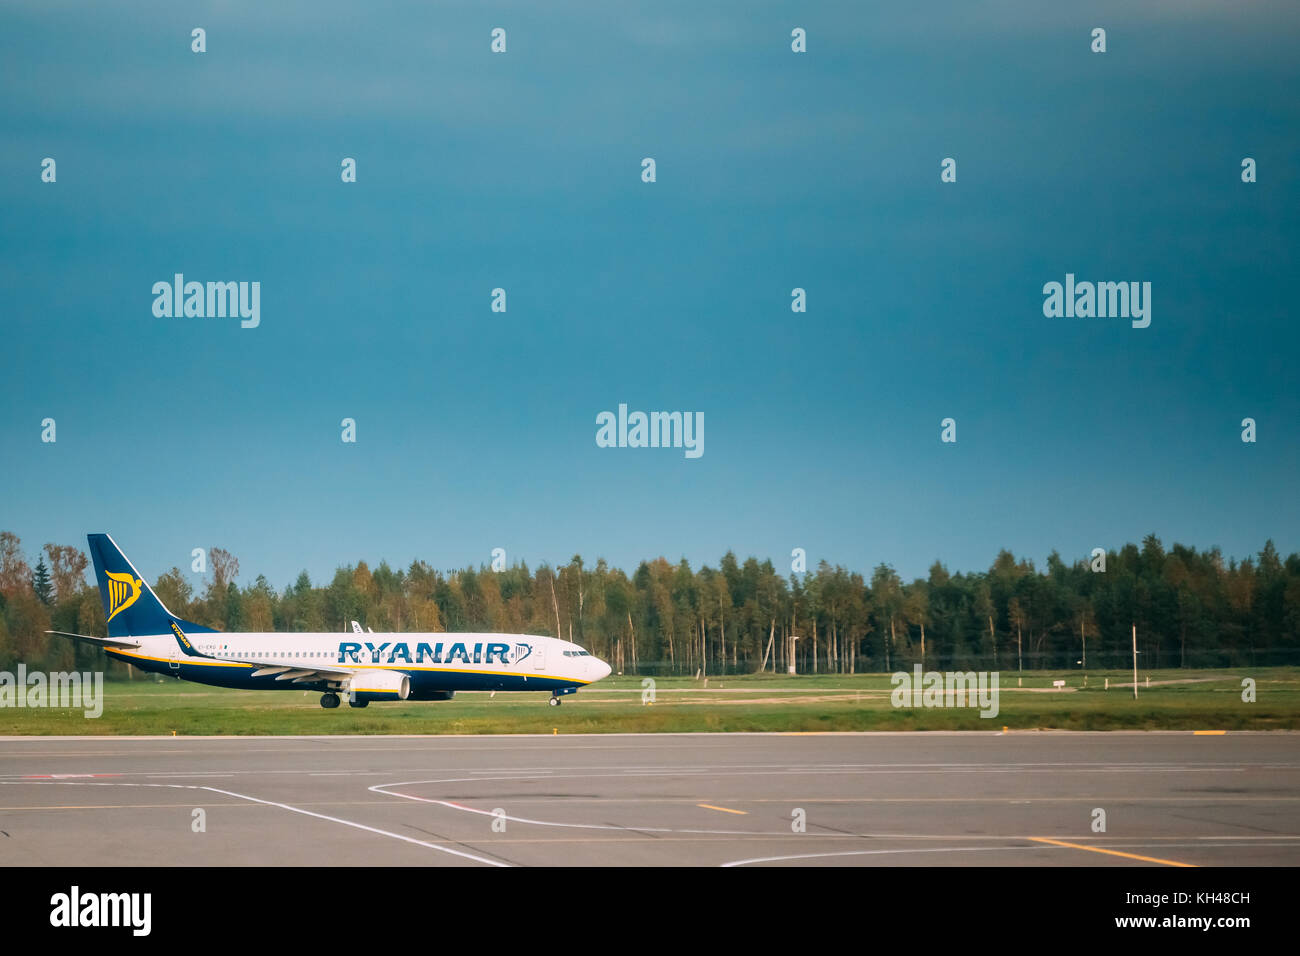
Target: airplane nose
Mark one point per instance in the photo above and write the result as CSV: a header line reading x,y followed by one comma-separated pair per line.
x,y
602,670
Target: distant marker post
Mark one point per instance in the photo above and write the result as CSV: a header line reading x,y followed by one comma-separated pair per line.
x,y
1135,661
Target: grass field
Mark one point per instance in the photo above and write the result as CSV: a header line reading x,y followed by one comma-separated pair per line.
x,y
1175,700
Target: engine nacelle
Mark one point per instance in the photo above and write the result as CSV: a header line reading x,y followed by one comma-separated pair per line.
x,y
380,685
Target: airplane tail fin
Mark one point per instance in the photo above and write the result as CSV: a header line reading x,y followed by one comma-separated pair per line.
x,y
130,606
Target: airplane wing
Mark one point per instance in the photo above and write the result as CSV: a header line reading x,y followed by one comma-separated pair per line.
x,y
298,673
295,672
100,641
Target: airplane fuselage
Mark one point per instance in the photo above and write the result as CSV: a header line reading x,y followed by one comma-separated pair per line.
x,y
435,662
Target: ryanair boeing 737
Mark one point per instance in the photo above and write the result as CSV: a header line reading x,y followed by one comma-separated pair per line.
x,y
360,667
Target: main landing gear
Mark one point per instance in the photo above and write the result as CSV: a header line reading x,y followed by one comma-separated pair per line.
x,y
331,700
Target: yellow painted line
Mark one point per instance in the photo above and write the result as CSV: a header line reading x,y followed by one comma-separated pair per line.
x,y
709,806
1098,849
1208,733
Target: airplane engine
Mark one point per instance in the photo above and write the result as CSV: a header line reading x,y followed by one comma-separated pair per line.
x,y
380,685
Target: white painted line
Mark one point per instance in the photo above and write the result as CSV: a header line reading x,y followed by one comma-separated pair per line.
x,y
382,788
362,826
270,803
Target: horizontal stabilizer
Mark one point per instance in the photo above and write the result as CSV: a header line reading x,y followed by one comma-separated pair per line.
x,y
101,641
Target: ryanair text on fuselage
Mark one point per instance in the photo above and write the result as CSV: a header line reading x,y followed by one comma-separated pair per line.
x,y
354,652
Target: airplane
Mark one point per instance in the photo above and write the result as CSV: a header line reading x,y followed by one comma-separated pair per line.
x,y
359,667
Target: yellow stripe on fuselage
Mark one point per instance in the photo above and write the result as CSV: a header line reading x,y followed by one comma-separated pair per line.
x,y
179,660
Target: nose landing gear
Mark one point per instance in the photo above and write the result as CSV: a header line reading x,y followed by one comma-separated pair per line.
x,y
554,702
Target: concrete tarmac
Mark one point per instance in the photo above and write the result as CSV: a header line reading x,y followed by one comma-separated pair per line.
x,y
870,799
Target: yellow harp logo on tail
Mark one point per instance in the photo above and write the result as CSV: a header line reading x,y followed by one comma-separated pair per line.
x,y
123,590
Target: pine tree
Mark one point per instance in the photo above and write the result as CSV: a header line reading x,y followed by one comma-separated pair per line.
x,y
41,583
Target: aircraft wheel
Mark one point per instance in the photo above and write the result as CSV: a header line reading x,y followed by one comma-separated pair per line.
x,y
358,703
555,702
329,701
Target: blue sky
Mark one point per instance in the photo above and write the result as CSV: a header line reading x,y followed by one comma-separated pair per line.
x,y
775,170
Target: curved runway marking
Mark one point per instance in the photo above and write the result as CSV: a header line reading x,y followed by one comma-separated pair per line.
x,y
928,849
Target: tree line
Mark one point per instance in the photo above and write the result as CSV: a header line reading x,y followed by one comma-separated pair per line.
x,y
1190,608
